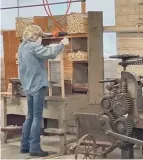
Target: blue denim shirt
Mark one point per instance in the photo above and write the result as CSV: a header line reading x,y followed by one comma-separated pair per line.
x,y
32,70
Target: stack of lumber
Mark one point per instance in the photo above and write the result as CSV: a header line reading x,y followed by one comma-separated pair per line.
x,y
78,56
77,23
21,24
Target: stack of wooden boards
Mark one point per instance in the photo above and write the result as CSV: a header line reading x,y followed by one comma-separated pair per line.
x,y
77,23
78,56
21,24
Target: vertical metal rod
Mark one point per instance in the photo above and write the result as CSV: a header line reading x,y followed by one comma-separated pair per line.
x,y
4,119
128,152
18,8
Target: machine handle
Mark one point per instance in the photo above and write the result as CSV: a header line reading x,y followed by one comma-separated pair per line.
x,y
108,80
124,56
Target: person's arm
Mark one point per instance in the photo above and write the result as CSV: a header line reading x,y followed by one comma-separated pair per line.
x,y
48,52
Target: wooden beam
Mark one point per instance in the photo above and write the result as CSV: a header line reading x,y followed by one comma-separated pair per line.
x,y
83,7
10,44
123,29
4,119
95,57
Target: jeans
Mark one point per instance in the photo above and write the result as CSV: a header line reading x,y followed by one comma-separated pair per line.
x,y
32,125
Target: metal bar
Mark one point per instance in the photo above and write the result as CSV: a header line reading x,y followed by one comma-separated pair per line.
x,y
70,141
18,8
110,149
124,138
94,154
37,5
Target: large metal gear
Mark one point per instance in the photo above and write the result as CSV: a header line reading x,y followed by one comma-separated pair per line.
x,y
121,104
111,116
123,126
106,103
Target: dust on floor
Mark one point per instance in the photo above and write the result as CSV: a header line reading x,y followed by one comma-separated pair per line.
x,y
11,150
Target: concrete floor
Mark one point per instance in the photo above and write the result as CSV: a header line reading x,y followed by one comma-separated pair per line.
x,y
51,144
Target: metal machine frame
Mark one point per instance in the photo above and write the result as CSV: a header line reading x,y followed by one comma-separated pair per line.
x,y
120,123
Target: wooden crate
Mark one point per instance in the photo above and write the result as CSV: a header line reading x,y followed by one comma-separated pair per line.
x,y
21,24
77,23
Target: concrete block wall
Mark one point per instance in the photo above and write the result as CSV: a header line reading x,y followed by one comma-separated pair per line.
x,y
127,14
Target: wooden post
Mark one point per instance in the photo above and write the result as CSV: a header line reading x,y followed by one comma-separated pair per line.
x,y
83,7
4,119
95,57
49,78
62,77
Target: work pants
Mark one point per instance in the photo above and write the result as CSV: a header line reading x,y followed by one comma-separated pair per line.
x,y
32,125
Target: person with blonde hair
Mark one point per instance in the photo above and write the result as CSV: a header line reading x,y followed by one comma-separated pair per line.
x,y
33,76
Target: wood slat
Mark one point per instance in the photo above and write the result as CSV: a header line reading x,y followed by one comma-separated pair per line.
x,y
42,21
11,43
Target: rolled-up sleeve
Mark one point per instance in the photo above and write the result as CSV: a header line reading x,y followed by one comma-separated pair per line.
x,y
48,52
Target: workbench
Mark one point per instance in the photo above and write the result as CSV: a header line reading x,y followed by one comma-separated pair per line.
x,y
55,108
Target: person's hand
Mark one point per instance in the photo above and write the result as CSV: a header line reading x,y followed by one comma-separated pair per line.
x,y
65,41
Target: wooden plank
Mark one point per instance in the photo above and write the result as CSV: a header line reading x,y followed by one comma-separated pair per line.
x,y
123,29
5,30
83,7
6,53
4,118
41,21
55,131
11,43
95,57
11,128
108,29
62,76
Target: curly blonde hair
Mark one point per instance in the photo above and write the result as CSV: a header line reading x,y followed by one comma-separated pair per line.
x,y
32,33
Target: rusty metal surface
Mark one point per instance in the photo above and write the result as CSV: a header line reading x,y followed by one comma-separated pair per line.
x,y
125,138
90,124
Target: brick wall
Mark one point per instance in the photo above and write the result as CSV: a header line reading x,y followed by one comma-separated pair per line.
x,y
128,14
